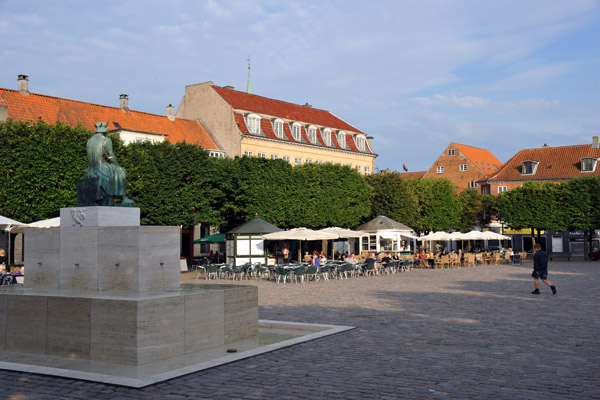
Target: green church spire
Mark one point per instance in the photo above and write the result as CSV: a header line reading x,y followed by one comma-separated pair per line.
x,y
249,85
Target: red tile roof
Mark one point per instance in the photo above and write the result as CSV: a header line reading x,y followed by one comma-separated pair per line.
x,y
561,162
483,159
409,175
37,107
277,108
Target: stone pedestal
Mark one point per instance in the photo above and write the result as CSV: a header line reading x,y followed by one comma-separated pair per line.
x,y
101,287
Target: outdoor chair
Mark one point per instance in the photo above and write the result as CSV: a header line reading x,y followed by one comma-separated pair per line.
x,y
347,269
299,272
311,271
201,270
324,272
445,261
262,270
212,271
239,271
282,273
369,268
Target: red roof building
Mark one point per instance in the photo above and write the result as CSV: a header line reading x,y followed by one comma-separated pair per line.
x,y
546,163
464,165
251,125
129,125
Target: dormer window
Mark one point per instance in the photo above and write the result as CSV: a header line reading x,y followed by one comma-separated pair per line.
x,y
312,134
529,167
278,128
327,137
588,164
360,142
253,123
297,131
341,138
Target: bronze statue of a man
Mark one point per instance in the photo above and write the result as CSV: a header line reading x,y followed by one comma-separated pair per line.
x,y
105,180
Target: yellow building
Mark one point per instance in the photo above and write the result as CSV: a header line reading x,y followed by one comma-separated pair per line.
x,y
251,125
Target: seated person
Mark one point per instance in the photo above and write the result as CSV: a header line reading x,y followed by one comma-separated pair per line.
x,y
307,257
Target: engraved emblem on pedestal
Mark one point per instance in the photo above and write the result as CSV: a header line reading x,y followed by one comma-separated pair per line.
x,y
78,215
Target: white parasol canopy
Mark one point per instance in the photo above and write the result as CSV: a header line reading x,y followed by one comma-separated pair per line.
x,y
437,236
45,223
343,233
300,234
495,236
6,223
475,235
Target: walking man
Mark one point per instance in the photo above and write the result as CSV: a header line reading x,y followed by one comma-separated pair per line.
x,y
540,269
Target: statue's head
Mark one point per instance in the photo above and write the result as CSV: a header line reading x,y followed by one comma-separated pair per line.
x,y
101,127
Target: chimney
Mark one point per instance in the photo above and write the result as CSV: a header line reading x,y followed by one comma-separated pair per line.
x,y
171,112
3,112
594,142
23,81
124,102
229,87
370,142
307,105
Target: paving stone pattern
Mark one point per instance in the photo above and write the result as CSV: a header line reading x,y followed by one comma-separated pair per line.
x,y
468,333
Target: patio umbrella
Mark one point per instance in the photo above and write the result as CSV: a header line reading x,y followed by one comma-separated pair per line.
x,y
495,236
343,233
215,238
300,234
45,223
7,223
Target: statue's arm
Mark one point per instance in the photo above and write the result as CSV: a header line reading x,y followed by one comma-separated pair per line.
x,y
108,152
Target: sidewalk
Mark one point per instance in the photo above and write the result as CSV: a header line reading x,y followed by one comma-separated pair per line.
x,y
461,333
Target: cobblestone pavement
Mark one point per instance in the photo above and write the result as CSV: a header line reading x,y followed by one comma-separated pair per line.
x,y
455,334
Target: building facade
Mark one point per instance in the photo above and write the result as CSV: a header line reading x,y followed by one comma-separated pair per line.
x,y
464,165
249,125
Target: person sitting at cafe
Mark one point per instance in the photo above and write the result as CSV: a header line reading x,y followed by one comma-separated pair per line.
x,y
316,260
307,257
371,259
423,258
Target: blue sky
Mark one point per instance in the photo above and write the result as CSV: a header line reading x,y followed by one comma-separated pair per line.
x,y
415,75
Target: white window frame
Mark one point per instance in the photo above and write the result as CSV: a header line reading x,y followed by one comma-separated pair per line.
x,y
473,184
297,160
451,152
502,189
341,139
319,161
361,142
311,132
462,168
327,136
247,153
367,170
297,131
287,158
308,161
274,156
253,123
278,128
358,168
593,161
261,155
534,165
440,169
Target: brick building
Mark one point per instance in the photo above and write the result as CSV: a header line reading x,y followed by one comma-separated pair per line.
x,y
552,164
464,165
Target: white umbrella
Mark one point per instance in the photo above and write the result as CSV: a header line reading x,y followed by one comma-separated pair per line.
x,y
437,236
495,236
45,223
300,234
474,235
343,233
6,223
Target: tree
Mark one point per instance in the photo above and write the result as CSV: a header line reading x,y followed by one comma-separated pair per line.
x,y
533,205
395,198
475,210
438,204
578,200
39,165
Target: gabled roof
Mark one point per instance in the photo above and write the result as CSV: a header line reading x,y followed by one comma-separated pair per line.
x,y
49,109
255,225
383,223
276,108
409,175
483,159
561,162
